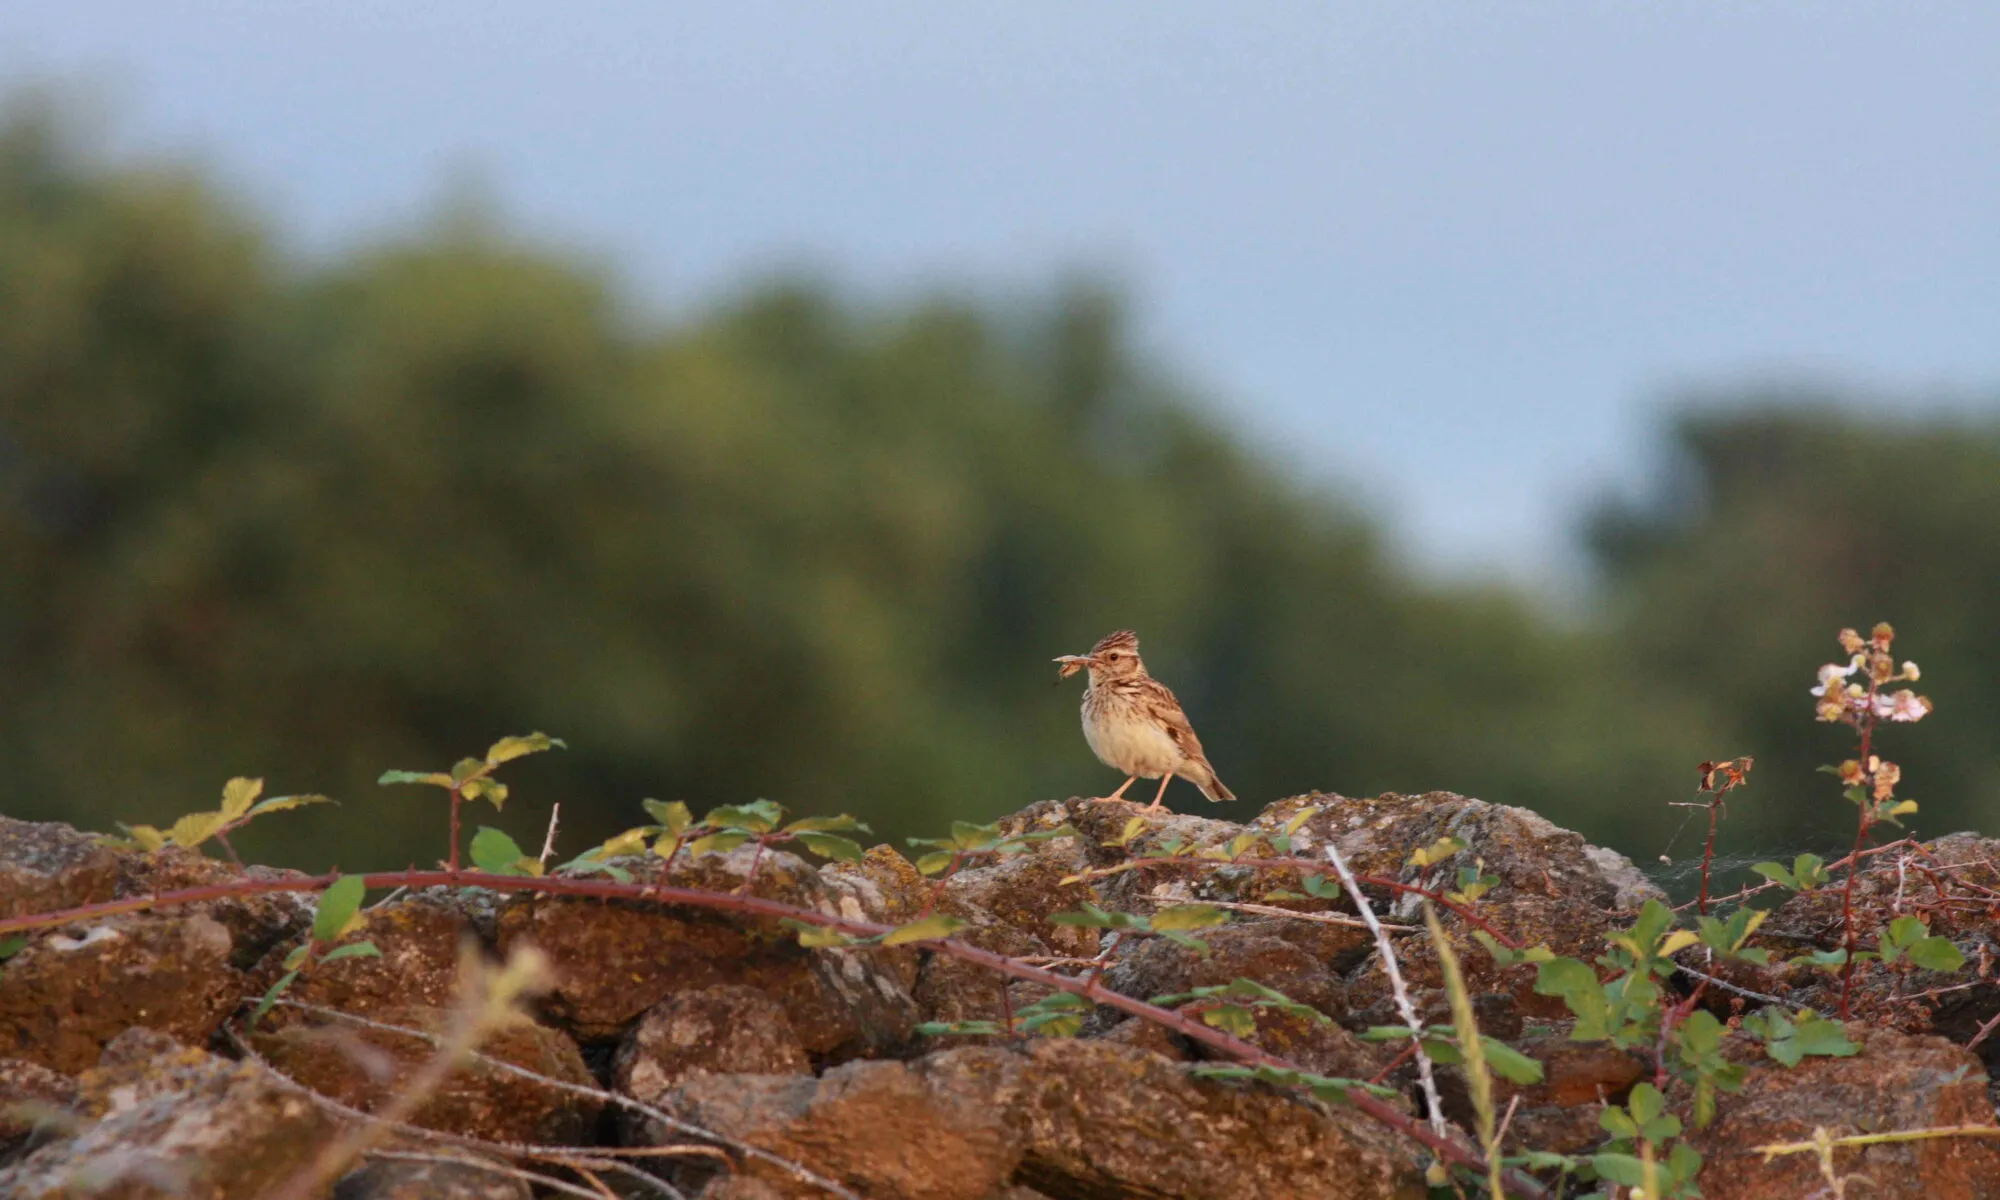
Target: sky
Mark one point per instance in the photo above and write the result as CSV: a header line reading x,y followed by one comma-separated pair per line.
x,y
1455,259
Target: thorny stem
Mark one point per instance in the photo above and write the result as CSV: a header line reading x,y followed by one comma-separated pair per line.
x,y
1447,1147
457,798
1867,807
1708,854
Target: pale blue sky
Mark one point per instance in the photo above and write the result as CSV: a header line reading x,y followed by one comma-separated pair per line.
x,y
1449,255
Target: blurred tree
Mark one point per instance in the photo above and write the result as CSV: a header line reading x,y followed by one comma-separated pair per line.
x,y
310,521
1783,518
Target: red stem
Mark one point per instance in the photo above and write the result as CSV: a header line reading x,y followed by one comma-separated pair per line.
x,y
1707,855
451,864
1450,1149
1867,807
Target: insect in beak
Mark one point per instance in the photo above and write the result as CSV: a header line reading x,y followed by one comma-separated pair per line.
x,y
1071,664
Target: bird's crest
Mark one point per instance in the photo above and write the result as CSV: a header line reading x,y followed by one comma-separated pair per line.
x,y
1122,639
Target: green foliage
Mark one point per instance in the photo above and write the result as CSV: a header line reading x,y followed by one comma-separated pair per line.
x,y
1909,936
495,852
239,806
923,930
1173,923
1644,1119
1232,1007
1441,1043
1808,871
971,843
1790,1039
339,915
1329,1088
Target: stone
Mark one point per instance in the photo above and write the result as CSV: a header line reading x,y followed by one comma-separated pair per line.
x,y
727,1029
615,961
31,1097
364,1068
1062,1117
397,1179
175,1123
256,922
46,865
72,990
1898,1082
419,939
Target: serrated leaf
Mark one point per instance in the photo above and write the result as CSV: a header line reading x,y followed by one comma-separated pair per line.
x,y
967,836
238,795
494,852
817,937
932,863
1325,887
719,843
351,950
490,790
281,803
931,927
468,768
339,905
1678,941
1189,916
673,815
1623,1169
196,828
1936,954
1232,1019
631,841
507,749
433,778
1776,873
832,845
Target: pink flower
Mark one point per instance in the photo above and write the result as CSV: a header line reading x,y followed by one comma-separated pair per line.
x,y
1833,671
1905,705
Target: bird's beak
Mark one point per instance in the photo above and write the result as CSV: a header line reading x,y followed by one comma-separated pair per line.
x,y
1072,663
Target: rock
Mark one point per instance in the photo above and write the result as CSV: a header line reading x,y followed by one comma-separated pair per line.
x,y
46,865
728,1029
951,989
1023,890
73,990
1063,1117
31,1096
363,1068
1559,1114
615,961
1897,1082
1554,889
419,938
393,1179
256,922
177,1124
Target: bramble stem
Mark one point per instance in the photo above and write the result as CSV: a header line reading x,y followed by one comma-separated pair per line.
x,y
1867,807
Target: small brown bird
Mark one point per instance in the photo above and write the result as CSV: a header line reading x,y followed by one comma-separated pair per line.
x,y
1133,723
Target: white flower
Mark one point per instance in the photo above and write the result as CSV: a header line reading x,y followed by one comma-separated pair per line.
x,y
1833,671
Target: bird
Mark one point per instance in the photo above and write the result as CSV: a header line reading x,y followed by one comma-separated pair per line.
x,y
1134,724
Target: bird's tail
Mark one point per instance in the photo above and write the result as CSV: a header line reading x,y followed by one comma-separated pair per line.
x,y
1199,773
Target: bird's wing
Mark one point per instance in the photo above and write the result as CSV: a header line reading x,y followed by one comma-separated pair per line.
x,y
1174,720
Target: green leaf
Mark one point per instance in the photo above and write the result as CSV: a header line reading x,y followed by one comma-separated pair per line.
x,y
1325,887
932,863
339,905
1625,1170
758,816
351,950
831,845
1134,826
1231,1019
508,749
967,836
467,769
1776,873
297,958
1189,916
238,795
1058,1014
432,778
1936,954
960,1028
1092,917
281,803
817,937
840,824
271,997
490,790
1510,1064
928,929
496,853
673,816
11,946
720,843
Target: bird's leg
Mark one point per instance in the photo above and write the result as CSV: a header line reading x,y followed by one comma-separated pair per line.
x,y
1162,793
1120,793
